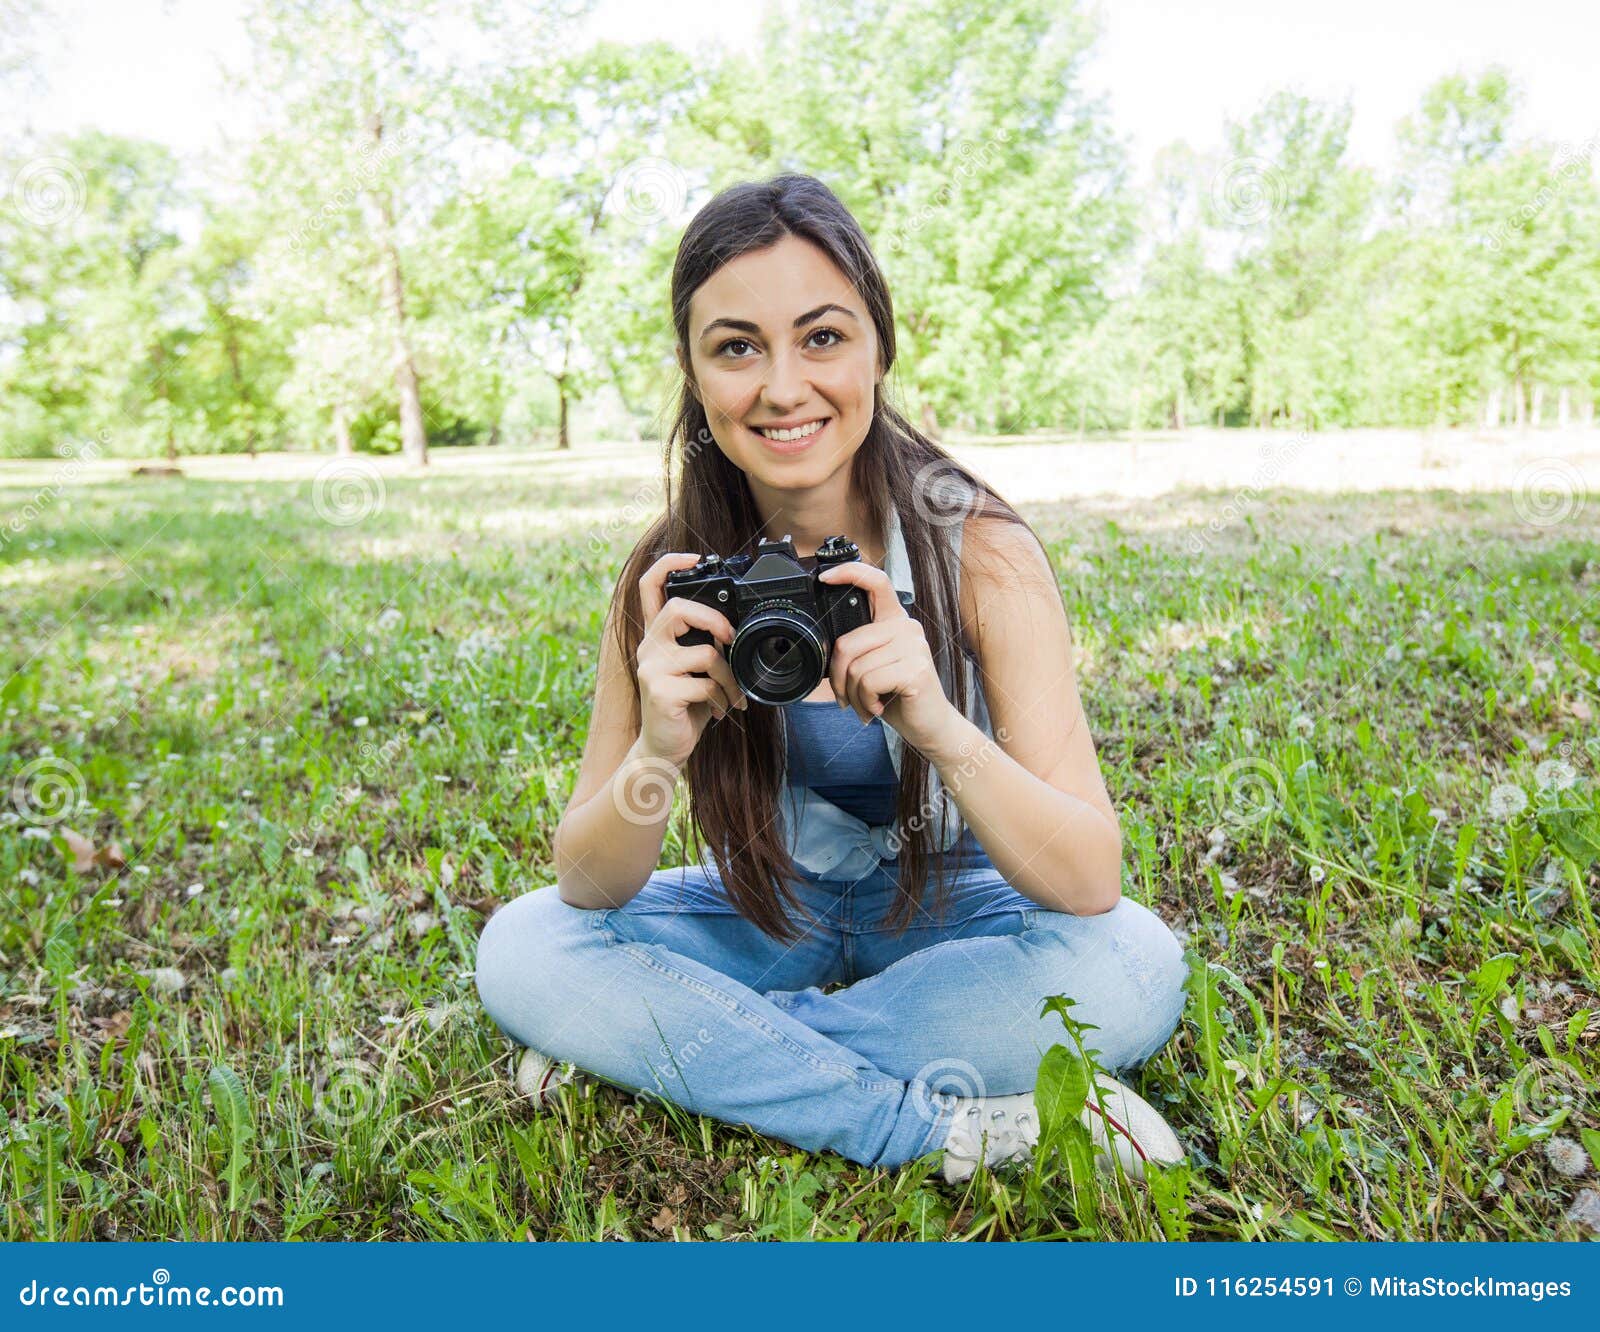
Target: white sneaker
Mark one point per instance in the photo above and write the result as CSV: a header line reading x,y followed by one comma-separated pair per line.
x,y
997,1128
1138,1133
539,1077
1006,1128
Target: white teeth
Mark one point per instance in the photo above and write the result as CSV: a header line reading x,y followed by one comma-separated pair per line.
x,y
799,432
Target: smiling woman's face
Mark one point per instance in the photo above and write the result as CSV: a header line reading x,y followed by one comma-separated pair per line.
x,y
784,356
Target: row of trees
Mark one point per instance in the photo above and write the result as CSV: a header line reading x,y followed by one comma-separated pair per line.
x,y
455,222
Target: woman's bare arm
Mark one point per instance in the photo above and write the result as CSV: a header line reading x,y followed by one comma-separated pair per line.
x,y
1034,797
609,840
602,857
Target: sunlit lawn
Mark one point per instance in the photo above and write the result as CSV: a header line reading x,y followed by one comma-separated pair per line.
x,y
1352,739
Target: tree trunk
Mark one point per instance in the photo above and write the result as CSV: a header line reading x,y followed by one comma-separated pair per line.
x,y
1538,405
563,441
930,422
413,435
1564,408
341,431
231,341
1491,410
165,393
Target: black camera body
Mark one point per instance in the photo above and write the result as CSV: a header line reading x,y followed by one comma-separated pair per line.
x,y
785,620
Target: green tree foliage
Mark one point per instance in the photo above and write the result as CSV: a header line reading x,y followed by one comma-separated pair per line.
x,y
454,222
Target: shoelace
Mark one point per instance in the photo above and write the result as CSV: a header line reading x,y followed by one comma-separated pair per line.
x,y
1008,1135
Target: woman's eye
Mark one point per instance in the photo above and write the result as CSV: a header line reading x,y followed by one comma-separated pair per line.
x,y
832,333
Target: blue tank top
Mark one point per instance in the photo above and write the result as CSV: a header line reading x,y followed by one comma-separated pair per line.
x,y
839,759
834,756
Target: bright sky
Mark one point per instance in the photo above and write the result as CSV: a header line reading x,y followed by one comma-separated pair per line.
x,y
1170,68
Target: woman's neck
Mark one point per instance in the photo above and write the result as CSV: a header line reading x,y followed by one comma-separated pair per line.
x,y
812,516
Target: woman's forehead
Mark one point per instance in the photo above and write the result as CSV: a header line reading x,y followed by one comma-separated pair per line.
x,y
772,286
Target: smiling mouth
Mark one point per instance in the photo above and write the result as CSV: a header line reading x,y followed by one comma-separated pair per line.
x,y
791,436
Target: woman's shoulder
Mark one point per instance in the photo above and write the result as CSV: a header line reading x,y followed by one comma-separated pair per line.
x,y
1000,552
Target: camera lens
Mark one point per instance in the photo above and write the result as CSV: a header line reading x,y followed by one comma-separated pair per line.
x,y
778,655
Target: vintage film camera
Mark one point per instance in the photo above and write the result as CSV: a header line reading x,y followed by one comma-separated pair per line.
x,y
785,621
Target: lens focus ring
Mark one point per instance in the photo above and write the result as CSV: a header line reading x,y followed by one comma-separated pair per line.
x,y
778,655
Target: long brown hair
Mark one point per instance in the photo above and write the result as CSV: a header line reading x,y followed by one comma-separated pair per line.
x,y
735,769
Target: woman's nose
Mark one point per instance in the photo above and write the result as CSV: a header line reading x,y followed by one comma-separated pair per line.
x,y
786,384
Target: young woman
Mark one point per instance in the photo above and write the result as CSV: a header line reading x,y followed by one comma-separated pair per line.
x,y
900,867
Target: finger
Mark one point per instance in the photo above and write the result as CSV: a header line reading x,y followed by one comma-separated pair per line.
x,y
883,666
707,659
880,685
687,690
678,615
722,672
850,646
872,580
652,583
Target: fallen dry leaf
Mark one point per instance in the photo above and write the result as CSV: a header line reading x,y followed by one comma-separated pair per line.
x,y
85,855
79,849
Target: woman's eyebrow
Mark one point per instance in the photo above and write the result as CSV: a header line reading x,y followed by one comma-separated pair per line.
x,y
745,326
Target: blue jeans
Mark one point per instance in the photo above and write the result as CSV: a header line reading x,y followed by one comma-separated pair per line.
x,y
676,995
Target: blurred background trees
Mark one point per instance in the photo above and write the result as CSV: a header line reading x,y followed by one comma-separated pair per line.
x,y
455,224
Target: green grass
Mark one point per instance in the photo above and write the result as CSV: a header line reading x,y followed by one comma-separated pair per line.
x,y
1325,732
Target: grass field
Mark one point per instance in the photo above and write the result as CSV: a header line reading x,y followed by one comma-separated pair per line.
x,y
307,733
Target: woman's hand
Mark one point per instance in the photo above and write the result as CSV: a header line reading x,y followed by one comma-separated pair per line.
x,y
886,668
680,688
